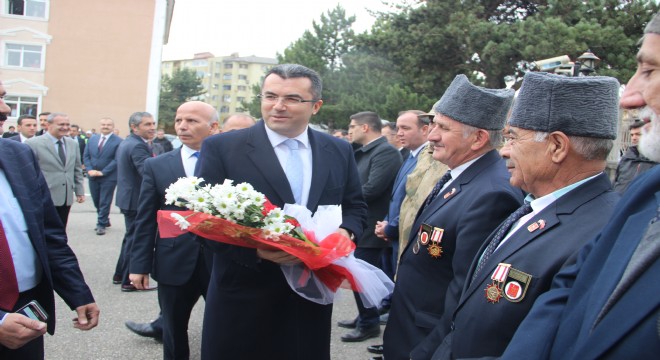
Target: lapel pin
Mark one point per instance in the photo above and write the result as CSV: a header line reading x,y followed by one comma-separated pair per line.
x,y
447,195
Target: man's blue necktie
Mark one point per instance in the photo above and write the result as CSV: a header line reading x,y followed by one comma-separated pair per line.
x,y
294,169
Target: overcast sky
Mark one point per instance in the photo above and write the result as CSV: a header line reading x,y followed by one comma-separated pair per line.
x,y
252,27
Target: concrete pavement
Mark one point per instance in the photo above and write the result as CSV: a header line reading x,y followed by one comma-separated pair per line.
x,y
111,340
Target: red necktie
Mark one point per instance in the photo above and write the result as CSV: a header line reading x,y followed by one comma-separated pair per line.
x,y
8,283
101,143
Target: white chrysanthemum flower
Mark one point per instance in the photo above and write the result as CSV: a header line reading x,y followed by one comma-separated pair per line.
x,y
181,221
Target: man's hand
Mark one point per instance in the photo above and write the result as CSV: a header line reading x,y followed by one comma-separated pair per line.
x,y
278,257
140,281
17,330
380,229
80,198
88,317
94,173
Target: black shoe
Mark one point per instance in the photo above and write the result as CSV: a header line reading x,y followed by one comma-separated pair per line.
x,y
358,334
116,279
375,349
100,231
131,288
383,318
146,330
348,324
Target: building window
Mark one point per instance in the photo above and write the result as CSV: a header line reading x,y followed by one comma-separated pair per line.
x,y
26,56
214,97
201,74
224,109
226,98
242,77
32,8
22,105
226,76
243,66
216,75
240,99
226,87
242,88
229,66
215,86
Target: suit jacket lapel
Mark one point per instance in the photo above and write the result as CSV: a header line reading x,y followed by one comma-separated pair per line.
x,y
320,151
175,162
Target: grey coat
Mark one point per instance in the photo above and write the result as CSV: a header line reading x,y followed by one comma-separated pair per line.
x,y
63,180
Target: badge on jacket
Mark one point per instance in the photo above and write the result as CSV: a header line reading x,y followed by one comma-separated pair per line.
x,y
510,283
431,237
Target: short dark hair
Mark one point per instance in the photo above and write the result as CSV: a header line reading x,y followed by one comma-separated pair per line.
x,y
291,71
75,126
636,124
370,118
26,116
44,113
136,119
422,118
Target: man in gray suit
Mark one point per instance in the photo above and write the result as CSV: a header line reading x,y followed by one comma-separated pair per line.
x,y
60,162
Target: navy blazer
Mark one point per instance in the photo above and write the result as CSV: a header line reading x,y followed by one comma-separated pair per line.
x,y
562,323
130,156
45,230
541,252
103,161
173,259
467,211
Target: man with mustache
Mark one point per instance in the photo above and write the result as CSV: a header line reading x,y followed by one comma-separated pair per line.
x,y
607,304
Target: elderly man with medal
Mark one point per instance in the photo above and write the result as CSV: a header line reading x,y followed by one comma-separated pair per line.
x,y
556,150
465,205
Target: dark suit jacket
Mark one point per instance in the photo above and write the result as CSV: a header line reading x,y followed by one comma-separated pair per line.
x,y
378,163
569,223
45,230
104,161
291,322
562,323
130,157
174,259
468,210
82,144
15,138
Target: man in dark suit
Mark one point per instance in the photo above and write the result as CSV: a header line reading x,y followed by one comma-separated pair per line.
x,y
466,204
561,166
248,298
101,166
178,264
12,132
606,306
42,260
27,127
61,163
78,138
130,157
43,123
378,163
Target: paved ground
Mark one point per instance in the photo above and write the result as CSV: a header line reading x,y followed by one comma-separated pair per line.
x,y
111,340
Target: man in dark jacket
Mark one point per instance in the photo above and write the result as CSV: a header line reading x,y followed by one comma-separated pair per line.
x,y
378,163
632,163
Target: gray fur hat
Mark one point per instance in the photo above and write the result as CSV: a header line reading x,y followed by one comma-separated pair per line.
x,y
653,26
580,106
475,106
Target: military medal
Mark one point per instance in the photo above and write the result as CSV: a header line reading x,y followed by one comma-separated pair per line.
x,y
536,225
415,247
494,290
493,293
435,250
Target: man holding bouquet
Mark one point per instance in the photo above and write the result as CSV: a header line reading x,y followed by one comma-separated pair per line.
x,y
251,312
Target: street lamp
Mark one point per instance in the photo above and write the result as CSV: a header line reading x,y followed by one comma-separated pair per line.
x,y
588,61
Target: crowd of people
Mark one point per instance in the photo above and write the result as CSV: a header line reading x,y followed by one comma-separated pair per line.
x,y
494,216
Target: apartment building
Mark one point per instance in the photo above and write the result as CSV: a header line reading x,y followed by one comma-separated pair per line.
x,y
228,80
89,59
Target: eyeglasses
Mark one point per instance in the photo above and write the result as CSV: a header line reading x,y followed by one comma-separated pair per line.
x,y
286,100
